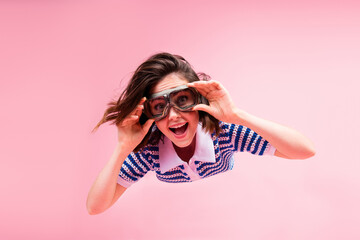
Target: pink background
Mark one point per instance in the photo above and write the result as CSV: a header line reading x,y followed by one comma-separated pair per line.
x,y
293,62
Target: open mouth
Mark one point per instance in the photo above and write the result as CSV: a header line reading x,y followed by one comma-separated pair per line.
x,y
179,130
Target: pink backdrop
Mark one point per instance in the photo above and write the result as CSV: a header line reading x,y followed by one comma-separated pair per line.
x,y
293,62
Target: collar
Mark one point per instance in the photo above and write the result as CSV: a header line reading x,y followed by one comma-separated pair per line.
x,y
204,151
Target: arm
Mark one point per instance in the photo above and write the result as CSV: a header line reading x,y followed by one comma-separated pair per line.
x,y
288,142
105,190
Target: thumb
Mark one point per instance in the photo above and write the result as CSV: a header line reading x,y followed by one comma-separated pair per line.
x,y
148,124
203,107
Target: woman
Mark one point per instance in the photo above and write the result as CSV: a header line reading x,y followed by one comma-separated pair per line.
x,y
184,129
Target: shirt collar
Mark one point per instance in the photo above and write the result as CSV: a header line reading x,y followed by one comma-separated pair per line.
x,y
204,151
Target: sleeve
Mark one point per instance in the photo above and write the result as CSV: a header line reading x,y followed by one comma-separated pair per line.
x,y
135,166
245,139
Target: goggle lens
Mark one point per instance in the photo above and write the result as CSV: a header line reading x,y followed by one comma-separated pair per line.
x,y
182,100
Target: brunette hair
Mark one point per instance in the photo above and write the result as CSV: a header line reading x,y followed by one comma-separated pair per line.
x,y
146,76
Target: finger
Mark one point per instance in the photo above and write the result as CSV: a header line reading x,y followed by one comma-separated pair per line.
x,y
130,120
141,103
148,124
203,107
138,110
198,84
217,85
205,86
142,100
204,83
201,88
202,92
213,85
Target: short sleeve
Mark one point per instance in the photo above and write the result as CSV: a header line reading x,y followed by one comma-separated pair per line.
x,y
244,139
135,166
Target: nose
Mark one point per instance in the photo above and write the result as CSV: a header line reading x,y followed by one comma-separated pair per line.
x,y
173,113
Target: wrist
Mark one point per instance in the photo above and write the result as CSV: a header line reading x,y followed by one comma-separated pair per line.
x,y
124,146
238,116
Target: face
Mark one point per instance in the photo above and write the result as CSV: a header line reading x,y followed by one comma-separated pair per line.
x,y
179,127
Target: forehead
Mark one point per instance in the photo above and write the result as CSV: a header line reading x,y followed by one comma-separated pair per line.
x,y
170,81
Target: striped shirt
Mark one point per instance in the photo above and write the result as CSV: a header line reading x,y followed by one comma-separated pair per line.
x,y
214,155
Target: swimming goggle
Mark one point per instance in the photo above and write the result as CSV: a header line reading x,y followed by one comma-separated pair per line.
x,y
182,98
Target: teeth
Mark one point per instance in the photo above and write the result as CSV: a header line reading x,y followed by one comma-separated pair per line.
x,y
178,126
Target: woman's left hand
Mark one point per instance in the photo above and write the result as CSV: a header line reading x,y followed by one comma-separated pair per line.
x,y
220,104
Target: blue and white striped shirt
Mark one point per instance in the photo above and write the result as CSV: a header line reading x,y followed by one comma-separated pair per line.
x,y
212,155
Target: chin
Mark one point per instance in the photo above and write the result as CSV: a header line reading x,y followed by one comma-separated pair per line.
x,y
182,145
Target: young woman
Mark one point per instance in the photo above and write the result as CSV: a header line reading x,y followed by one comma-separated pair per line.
x,y
177,123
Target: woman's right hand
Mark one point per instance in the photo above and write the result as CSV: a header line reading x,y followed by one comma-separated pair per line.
x,y
105,190
130,131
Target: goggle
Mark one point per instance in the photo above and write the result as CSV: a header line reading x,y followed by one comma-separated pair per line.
x,y
182,98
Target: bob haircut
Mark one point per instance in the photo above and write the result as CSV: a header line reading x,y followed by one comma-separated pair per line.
x,y
145,78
